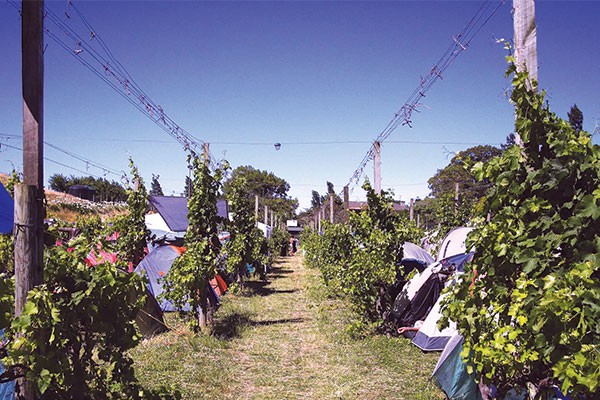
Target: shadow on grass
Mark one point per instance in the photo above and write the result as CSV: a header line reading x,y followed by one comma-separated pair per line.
x,y
261,288
233,325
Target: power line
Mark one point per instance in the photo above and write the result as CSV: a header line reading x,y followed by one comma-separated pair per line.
x,y
54,161
107,67
403,116
87,161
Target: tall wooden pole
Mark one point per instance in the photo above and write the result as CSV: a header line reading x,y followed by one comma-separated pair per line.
x,y
411,210
331,208
346,197
256,207
525,42
525,37
29,197
377,167
456,191
206,152
266,215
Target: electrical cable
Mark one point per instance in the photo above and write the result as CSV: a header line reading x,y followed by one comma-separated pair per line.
x,y
404,114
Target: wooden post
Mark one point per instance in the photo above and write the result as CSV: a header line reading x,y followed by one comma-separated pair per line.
x,y
525,42
266,215
346,197
29,197
411,210
331,208
377,167
319,220
456,189
256,207
418,220
525,37
206,152
271,218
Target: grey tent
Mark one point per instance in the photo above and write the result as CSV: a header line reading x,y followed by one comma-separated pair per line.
x,y
451,374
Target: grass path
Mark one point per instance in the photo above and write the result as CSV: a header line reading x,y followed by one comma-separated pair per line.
x,y
285,339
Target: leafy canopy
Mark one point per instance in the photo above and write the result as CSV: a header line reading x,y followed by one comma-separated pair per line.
x,y
529,305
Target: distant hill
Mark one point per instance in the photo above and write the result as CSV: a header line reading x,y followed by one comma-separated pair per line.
x,y
65,207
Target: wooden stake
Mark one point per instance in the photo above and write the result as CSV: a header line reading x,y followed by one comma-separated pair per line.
x,y
377,167
29,197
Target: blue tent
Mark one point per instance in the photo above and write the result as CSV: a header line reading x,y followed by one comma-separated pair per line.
x,y
156,265
7,389
451,374
7,211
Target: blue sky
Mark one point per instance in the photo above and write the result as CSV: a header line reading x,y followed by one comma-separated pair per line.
x,y
313,76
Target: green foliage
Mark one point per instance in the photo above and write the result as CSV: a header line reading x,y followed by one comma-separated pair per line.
x,y
575,118
7,254
242,240
155,188
7,299
105,190
529,305
271,189
133,234
359,259
74,332
90,227
13,179
279,242
186,282
452,208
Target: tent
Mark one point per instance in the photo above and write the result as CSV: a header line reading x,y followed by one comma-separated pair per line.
x,y
429,337
419,294
454,243
7,210
158,263
451,375
415,256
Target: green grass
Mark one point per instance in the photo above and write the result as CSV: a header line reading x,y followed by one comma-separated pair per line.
x,y
285,339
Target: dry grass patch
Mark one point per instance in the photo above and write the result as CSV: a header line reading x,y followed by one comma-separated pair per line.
x,y
285,339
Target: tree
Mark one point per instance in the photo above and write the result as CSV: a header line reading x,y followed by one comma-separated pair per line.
x,y
258,182
271,189
529,304
155,188
105,190
59,183
316,201
330,189
575,118
459,171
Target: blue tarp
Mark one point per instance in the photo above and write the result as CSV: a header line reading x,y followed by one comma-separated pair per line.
x,y
174,210
7,210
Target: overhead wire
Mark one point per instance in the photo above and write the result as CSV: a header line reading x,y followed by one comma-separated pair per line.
x,y
112,72
106,170
404,115
54,161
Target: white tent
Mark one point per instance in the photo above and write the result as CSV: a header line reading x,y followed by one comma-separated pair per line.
x,y
266,229
429,337
454,243
412,252
157,225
